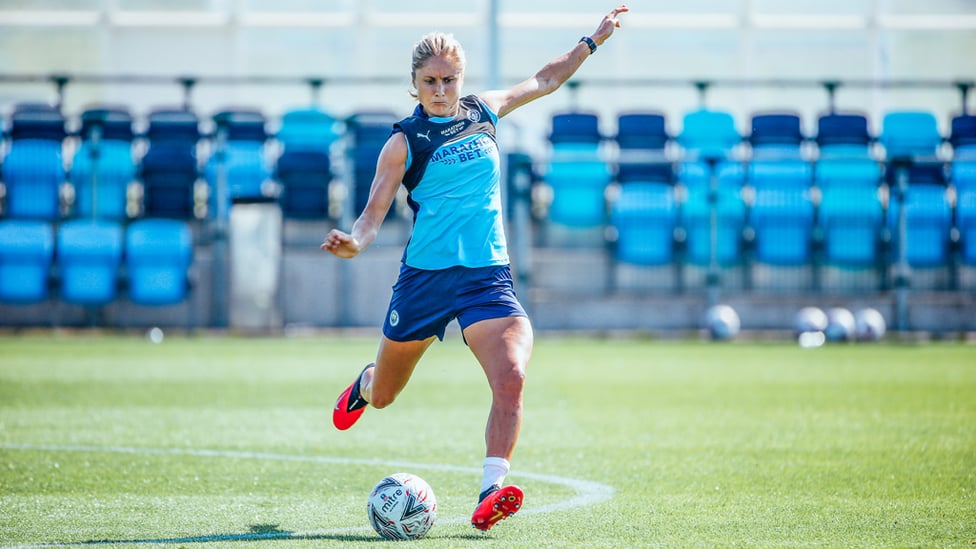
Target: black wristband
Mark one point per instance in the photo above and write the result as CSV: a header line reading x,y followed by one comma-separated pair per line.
x,y
589,42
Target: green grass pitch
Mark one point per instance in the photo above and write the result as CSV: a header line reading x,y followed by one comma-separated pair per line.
x,y
227,442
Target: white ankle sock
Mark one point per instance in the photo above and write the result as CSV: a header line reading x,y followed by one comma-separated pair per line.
x,y
494,471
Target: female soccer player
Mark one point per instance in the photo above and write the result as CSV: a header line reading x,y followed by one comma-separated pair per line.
x,y
455,265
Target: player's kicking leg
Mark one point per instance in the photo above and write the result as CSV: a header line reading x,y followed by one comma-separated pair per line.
x,y
350,405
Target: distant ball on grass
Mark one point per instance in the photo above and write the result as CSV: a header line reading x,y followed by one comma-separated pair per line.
x,y
722,322
155,335
810,319
841,325
870,324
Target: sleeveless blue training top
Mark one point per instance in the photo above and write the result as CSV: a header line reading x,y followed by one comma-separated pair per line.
x,y
452,179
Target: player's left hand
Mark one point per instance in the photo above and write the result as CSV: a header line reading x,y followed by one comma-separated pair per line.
x,y
610,22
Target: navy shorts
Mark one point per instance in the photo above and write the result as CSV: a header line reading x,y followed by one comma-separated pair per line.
x,y
424,302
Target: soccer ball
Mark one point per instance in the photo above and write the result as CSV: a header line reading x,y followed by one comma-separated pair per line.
x,y
870,324
841,325
402,506
810,319
722,322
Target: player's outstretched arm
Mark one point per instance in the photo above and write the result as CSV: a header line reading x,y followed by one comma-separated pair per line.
x,y
390,168
555,73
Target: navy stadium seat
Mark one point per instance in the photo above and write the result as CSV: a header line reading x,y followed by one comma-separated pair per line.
x,y
369,131
963,136
103,166
928,217
842,129
33,169
695,212
707,133
575,127
645,216
907,134
158,254
89,254
776,129
239,156
169,169
304,176
641,141
26,253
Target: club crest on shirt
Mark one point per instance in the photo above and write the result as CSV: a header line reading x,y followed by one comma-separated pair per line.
x,y
474,116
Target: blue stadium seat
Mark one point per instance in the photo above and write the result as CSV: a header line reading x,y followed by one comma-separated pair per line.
x,y
103,166
169,169
707,133
578,178
907,134
308,129
695,212
782,214
928,217
26,252
575,127
963,136
776,136
89,254
33,169
369,131
843,135
158,254
645,216
239,156
850,215
641,140
305,176
963,178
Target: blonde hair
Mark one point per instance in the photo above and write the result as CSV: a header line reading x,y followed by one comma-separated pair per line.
x,y
432,45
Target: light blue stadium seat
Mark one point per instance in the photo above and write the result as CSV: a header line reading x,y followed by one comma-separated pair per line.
x,y
242,159
851,220
907,134
928,220
158,254
850,215
308,129
695,212
304,167
89,254
708,133
782,214
103,166
33,169
963,177
645,216
578,178
26,252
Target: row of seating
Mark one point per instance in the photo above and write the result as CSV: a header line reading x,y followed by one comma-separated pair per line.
x,y
171,158
88,261
775,190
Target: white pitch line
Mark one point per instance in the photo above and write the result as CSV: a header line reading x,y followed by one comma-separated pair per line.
x,y
587,492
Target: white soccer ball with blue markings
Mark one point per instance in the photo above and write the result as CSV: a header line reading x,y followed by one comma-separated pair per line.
x,y
402,506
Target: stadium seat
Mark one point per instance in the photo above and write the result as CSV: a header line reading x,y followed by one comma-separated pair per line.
x,y
782,214
26,252
103,166
89,254
169,170
963,178
641,141
308,129
645,216
776,136
575,127
304,176
850,215
707,133
963,137
369,131
158,254
578,179
695,212
239,156
928,217
907,134
843,130
304,166
33,169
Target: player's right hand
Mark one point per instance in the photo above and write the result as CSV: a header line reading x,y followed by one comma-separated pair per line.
x,y
341,244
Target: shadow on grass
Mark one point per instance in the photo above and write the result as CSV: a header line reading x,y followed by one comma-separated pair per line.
x,y
256,532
